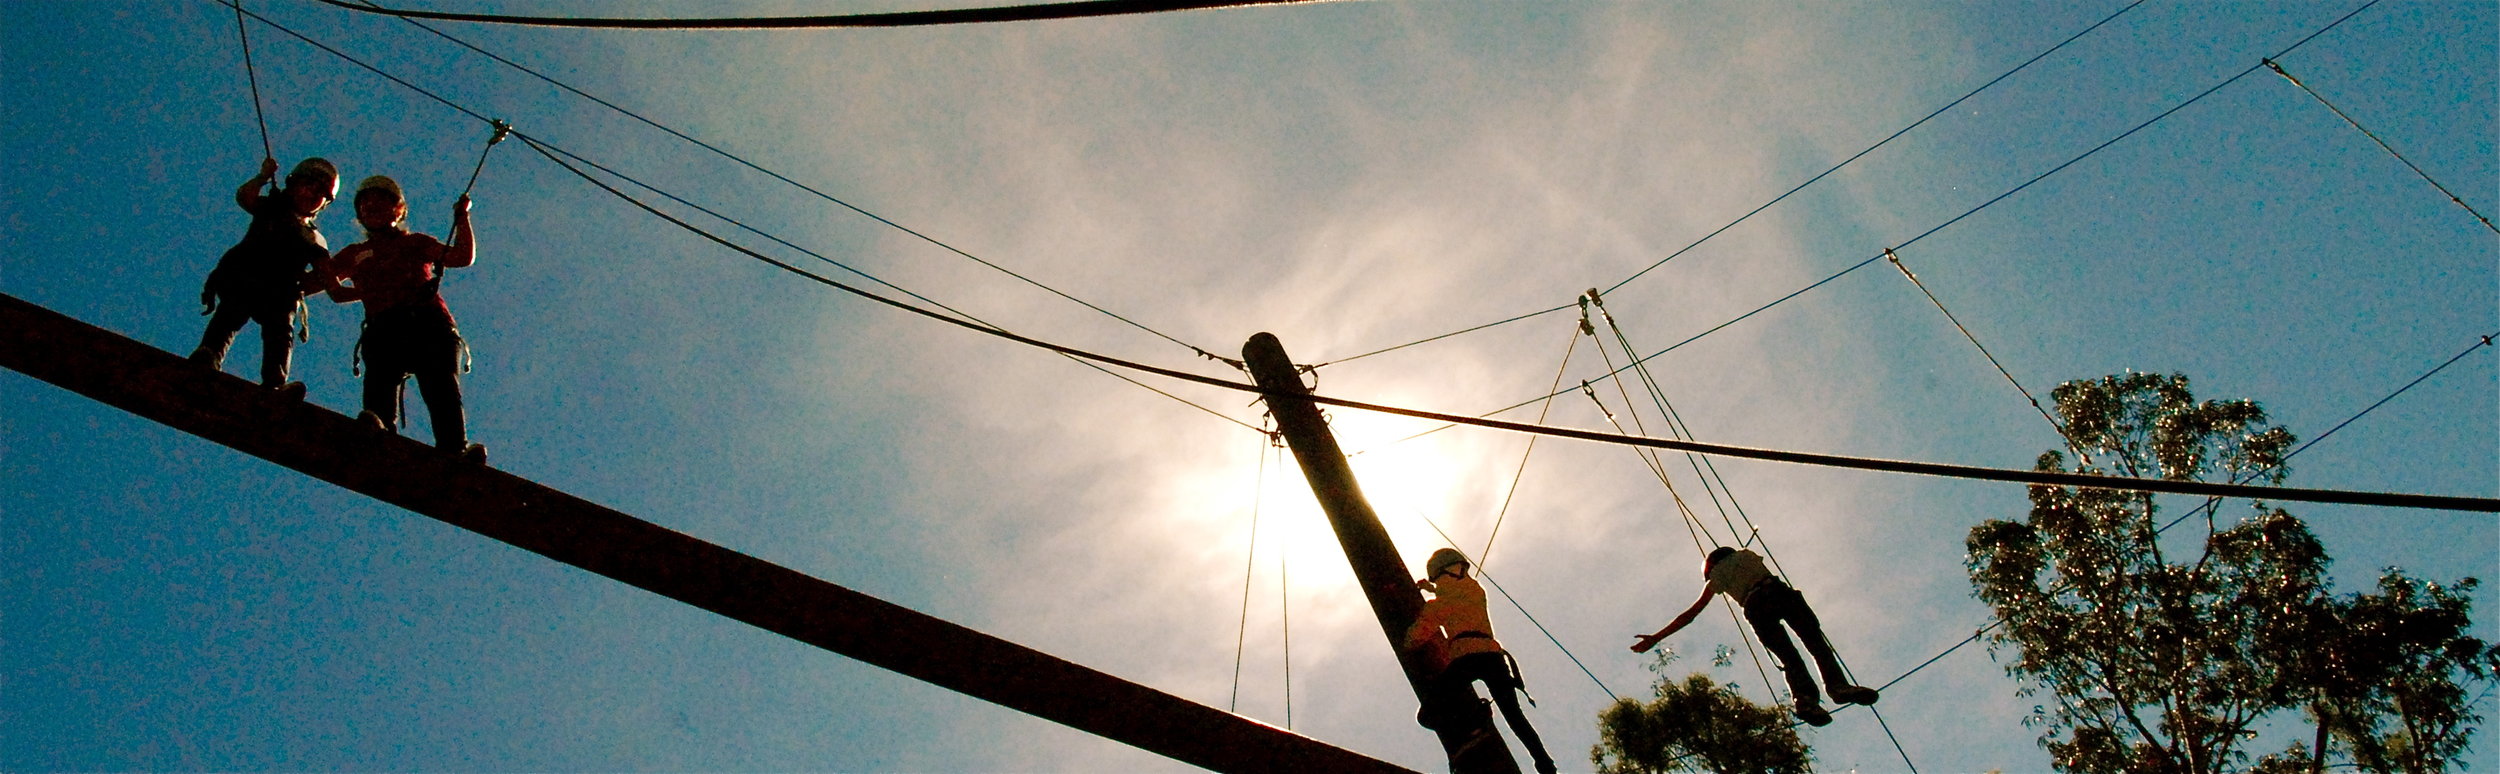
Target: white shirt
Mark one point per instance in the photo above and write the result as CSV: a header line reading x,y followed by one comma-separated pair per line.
x,y
1736,575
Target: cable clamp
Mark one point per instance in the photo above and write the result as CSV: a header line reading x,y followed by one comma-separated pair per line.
x,y
502,130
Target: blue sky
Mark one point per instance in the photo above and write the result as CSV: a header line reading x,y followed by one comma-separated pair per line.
x,y
1348,176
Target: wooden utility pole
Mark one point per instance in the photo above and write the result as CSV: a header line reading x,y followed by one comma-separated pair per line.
x,y
1468,736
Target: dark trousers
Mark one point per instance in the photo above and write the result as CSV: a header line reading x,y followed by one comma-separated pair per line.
x,y
1493,669
1776,602
277,335
397,346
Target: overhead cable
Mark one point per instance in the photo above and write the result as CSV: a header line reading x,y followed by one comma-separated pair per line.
x,y
2441,502
1783,196
2037,477
830,198
2208,506
1942,226
2382,144
1080,9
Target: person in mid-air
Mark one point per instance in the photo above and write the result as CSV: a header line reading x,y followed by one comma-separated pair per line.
x,y
1455,622
398,274
1768,602
264,277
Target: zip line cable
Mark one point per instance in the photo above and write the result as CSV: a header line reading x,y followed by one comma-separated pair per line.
x,y
1523,609
830,198
1782,197
1942,226
2442,502
1081,9
543,149
2382,144
252,74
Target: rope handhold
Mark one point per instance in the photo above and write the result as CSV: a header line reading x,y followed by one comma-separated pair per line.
x,y
502,130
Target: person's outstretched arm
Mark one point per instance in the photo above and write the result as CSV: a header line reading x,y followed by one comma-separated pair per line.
x,y
463,248
1642,643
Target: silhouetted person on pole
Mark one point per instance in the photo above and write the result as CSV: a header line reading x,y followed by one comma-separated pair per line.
x,y
1454,623
398,274
1768,601
264,277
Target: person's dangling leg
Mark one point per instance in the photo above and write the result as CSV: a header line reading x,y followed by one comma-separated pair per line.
x,y
1810,631
1763,613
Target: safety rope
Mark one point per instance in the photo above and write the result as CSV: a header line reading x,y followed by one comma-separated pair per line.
x,y
502,130
1593,304
1080,9
1284,610
1484,556
1702,537
252,75
2382,144
1751,533
1249,562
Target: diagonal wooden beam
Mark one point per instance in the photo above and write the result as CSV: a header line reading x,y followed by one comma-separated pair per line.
x,y
321,443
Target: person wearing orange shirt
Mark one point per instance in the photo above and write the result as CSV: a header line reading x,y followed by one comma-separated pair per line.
x,y
1454,620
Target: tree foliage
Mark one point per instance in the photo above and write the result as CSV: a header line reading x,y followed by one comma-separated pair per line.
x,y
2153,664
1696,725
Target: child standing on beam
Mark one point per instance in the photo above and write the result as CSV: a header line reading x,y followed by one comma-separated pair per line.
x,y
263,278
1768,602
398,274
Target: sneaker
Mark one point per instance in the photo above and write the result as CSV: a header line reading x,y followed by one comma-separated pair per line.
x,y
474,454
1812,713
291,390
372,422
1855,694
